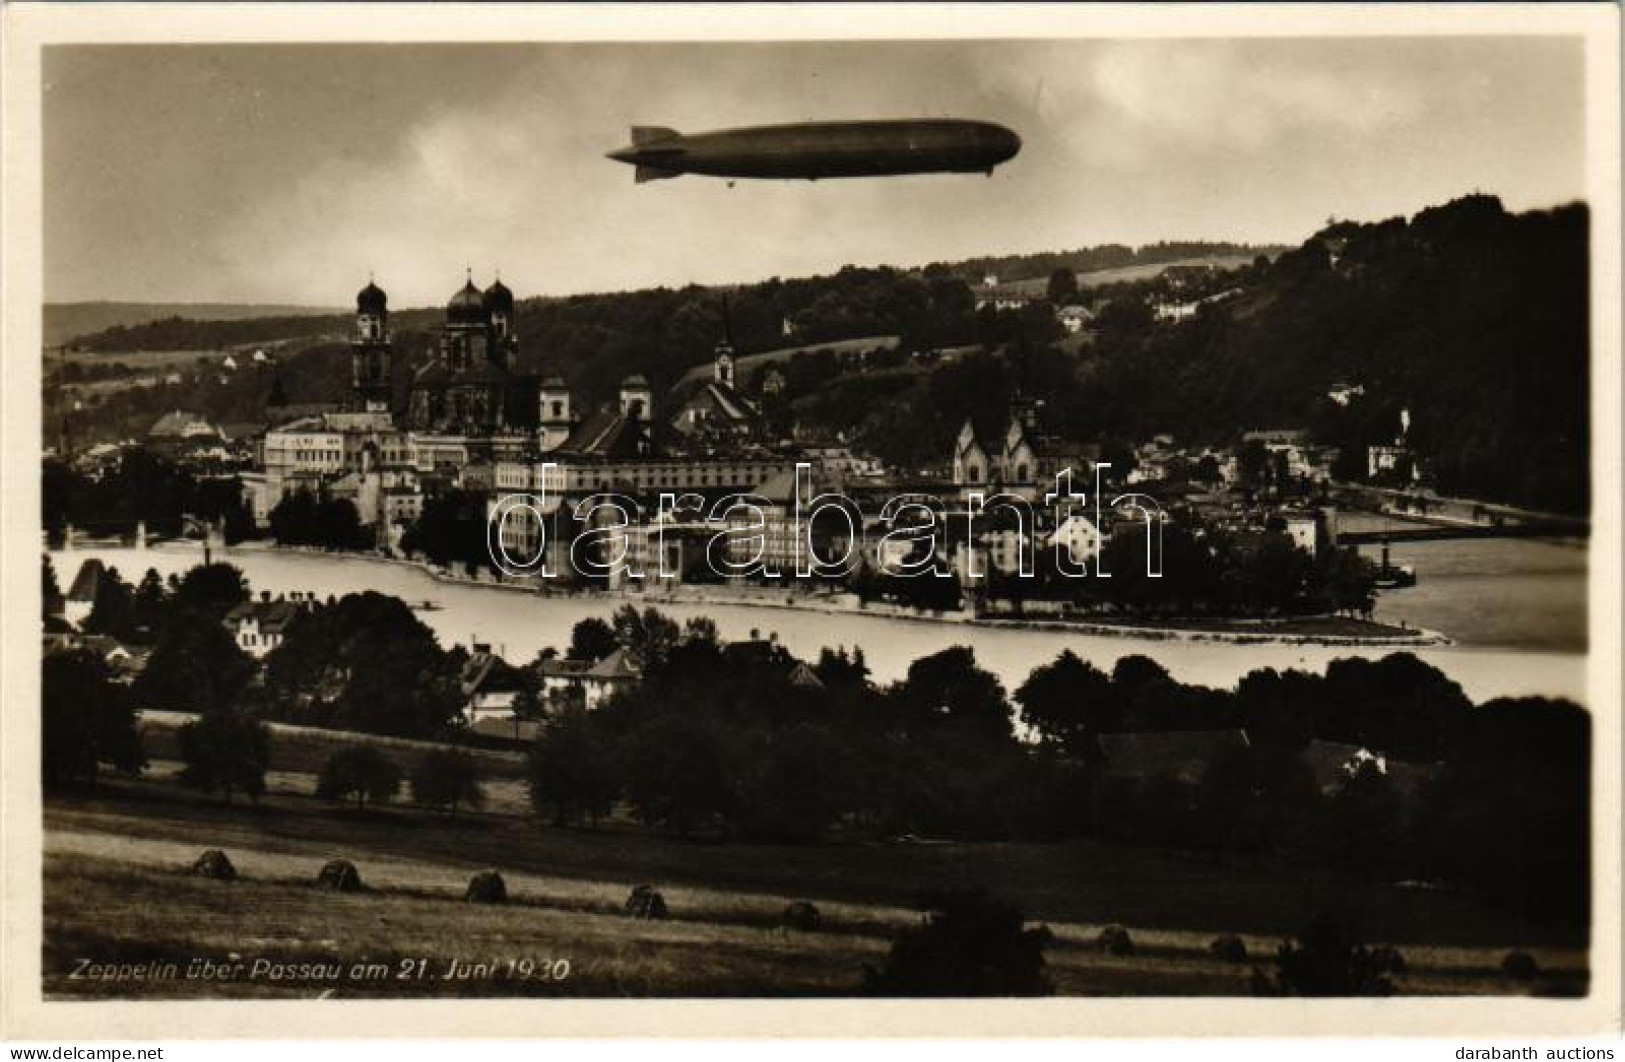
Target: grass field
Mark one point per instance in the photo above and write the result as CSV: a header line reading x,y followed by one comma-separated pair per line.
x,y
1094,278
116,890
752,362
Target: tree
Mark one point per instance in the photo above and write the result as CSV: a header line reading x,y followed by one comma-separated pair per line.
x,y
227,752
1062,289
150,611
293,518
110,612
572,769
451,530
591,639
359,771
303,519
1329,959
1068,702
792,782
1399,705
950,687
701,629
648,635
838,670
1510,816
196,666
969,944
445,778
211,589
366,663
678,774
86,719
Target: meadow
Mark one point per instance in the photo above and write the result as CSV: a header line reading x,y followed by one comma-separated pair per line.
x,y
118,890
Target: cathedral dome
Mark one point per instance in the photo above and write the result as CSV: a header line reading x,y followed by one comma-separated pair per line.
x,y
467,306
371,299
498,299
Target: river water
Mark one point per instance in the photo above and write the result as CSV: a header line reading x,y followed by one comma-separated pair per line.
x,y
1506,640
1492,592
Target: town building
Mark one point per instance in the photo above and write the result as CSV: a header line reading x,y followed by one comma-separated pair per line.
x,y
716,413
1022,460
179,434
1074,318
588,683
260,626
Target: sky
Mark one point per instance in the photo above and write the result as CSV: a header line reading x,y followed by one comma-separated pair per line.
x,y
287,173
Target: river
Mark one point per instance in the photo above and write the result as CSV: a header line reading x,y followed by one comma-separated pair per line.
x,y
520,624
1517,593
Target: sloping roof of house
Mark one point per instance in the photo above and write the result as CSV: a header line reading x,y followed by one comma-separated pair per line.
x,y
180,425
273,616
561,667
486,672
609,433
85,583
802,675
617,666
725,400
239,430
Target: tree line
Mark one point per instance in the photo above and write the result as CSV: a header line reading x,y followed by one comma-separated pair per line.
x,y
740,740
143,487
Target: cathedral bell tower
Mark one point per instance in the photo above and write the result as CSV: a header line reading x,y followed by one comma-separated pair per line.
x,y
370,356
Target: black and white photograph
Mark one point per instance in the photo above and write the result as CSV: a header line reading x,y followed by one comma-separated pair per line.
x,y
546,512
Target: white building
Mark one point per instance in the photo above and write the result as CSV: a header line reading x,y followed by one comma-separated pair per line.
x,y
260,626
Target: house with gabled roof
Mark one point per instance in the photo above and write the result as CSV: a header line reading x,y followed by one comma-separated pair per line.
x,y
716,409
260,626
81,595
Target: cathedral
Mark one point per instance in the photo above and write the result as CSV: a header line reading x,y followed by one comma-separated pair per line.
x,y
470,387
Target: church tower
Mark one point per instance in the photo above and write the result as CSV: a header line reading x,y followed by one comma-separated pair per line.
x,y
370,354
723,365
555,418
504,340
637,399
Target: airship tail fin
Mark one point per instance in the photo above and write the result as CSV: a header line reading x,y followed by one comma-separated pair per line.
x,y
648,134
649,173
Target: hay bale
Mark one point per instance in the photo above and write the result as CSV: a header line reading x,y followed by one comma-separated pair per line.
x,y
213,864
646,902
1114,940
1229,948
1520,966
486,887
802,915
339,875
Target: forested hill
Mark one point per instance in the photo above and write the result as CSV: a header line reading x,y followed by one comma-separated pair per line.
x,y
66,321
853,302
1473,319
1104,256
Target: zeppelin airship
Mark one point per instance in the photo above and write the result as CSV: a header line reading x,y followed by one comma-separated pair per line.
x,y
815,150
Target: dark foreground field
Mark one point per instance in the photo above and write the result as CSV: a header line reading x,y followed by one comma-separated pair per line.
x,y
117,891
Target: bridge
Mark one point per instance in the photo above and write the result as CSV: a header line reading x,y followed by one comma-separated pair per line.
x,y
1445,531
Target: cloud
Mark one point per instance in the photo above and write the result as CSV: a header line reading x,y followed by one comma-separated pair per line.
x,y
493,157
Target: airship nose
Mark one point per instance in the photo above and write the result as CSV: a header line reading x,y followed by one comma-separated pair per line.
x,y
1007,142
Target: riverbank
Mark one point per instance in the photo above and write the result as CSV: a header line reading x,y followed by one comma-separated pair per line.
x,y
520,623
1331,631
